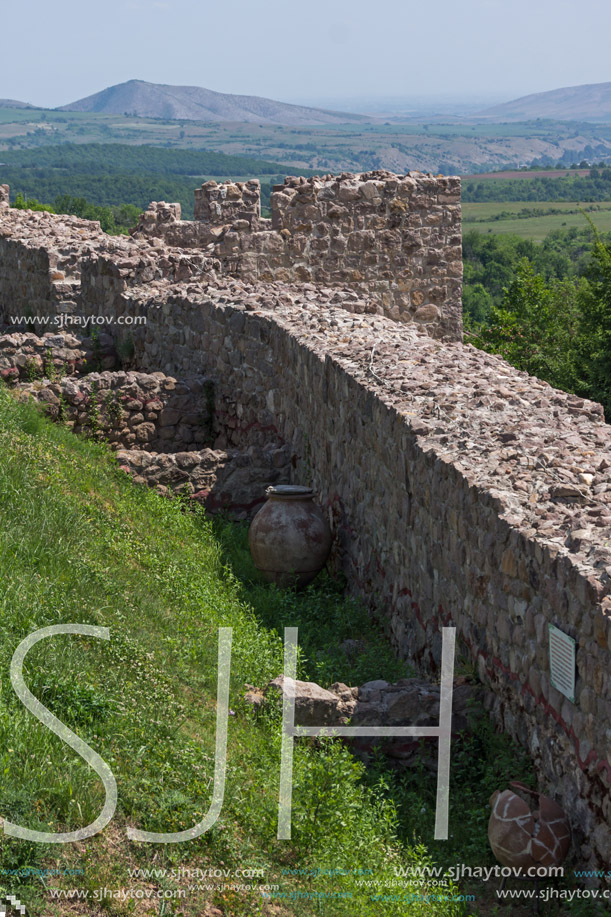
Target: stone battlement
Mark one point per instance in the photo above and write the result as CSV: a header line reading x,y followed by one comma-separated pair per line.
x,y
223,204
394,240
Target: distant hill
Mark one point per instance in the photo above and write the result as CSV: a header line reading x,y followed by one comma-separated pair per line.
x,y
591,102
11,103
192,103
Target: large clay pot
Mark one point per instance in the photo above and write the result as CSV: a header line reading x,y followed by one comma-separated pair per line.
x,y
290,538
521,837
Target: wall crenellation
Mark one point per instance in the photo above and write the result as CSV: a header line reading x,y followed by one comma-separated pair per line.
x,y
221,204
394,240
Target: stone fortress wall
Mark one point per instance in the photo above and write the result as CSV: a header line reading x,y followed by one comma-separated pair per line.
x,y
394,240
460,491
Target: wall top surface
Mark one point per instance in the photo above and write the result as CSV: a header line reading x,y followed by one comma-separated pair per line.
x,y
543,456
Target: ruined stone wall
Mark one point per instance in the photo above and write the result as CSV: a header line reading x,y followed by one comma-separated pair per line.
x,y
45,263
41,277
133,410
40,264
233,482
395,241
461,491
25,356
26,278
162,427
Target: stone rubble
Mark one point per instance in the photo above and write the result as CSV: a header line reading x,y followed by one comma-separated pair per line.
x,y
131,409
27,356
232,481
161,421
408,702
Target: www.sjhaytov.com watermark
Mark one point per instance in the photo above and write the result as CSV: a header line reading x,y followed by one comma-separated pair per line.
x,y
67,320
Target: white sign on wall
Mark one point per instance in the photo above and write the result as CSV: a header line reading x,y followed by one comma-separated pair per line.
x,y
562,662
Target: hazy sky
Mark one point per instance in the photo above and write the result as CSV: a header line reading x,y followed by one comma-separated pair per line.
x,y
55,52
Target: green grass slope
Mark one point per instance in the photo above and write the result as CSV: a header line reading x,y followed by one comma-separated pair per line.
x,y
80,544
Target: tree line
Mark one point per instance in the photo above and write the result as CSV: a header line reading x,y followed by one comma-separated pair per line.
x,y
115,174
123,159
546,309
115,220
595,187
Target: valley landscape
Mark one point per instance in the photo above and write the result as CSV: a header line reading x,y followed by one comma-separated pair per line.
x,y
452,147
77,148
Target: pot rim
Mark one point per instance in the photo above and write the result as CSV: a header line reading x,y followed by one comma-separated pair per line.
x,y
289,491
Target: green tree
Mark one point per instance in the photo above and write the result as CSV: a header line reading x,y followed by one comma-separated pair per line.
x,y
537,328
21,203
477,304
595,305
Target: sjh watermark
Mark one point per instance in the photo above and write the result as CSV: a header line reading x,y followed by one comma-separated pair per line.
x,y
11,905
443,732
464,871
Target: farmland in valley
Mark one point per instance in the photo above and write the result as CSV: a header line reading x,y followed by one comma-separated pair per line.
x,y
534,220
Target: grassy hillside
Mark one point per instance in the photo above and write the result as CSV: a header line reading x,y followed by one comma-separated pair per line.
x,y
80,544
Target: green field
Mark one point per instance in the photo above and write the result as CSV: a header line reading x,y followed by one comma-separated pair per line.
x,y
534,220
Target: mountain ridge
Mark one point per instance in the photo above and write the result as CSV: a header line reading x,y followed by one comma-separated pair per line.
x,y
13,103
587,102
194,103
